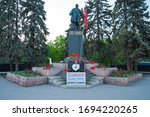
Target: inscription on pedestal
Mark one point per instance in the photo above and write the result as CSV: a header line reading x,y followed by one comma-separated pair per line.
x,y
75,32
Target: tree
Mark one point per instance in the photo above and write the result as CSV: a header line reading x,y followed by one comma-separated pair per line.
x,y
22,31
34,30
131,30
10,34
99,16
58,48
99,19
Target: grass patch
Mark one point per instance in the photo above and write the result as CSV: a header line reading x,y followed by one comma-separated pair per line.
x,y
26,73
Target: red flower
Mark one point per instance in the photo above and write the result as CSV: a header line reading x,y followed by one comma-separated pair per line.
x,y
121,70
47,68
75,55
77,61
132,76
44,68
92,68
86,70
66,70
90,62
101,65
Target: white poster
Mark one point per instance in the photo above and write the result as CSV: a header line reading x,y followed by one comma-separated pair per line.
x,y
76,78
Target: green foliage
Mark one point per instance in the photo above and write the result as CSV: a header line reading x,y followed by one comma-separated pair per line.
x,y
130,30
58,48
26,73
35,31
104,54
95,48
10,44
121,73
22,32
99,19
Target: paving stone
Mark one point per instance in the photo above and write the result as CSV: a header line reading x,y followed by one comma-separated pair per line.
x,y
78,87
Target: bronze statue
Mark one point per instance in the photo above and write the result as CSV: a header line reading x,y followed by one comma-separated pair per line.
x,y
76,14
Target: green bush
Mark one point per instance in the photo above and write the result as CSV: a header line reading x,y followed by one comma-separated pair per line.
x,y
26,73
121,73
58,49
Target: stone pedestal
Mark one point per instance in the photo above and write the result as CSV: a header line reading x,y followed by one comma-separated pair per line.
x,y
75,42
76,76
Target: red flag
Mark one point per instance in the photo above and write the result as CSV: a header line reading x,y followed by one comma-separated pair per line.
x,y
86,23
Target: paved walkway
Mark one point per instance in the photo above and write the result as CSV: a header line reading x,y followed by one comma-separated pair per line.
x,y
138,91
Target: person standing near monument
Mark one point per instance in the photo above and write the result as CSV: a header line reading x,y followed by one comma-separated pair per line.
x,y
76,14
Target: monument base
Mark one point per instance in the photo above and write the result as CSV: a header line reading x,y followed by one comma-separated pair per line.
x,y
75,42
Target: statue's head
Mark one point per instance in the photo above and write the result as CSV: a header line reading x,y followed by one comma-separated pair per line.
x,y
77,5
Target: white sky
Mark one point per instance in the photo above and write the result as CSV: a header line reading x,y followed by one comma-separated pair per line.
x,y
58,18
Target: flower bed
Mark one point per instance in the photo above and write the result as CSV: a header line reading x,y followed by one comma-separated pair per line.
x,y
122,78
102,71
27,81
89,65
26,74
60,65
47,72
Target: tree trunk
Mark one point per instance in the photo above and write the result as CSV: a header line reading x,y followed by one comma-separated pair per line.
x,y
16,36
131,65
128,58
128,65
16,64
135,65
11,67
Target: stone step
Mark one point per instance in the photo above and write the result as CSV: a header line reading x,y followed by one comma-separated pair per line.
x,y
93,82
55,80
62,74
88,75
58,80
59,83
54,77
97,78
